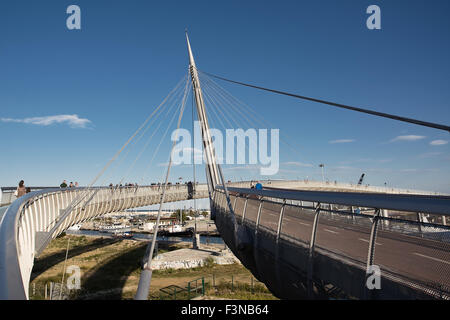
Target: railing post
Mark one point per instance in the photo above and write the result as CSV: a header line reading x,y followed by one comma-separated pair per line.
x,y
234,204
277,244
311,252
280,220
419,220
258,216
245,208
255,238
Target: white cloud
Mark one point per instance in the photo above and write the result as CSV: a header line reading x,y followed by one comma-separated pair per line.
x,y
407,138
408,170
438,142
429,154
344,168
245,167
163,164
341,141
71,119
363,160
297,164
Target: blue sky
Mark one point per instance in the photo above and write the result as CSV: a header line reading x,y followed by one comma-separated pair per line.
x,y
128,55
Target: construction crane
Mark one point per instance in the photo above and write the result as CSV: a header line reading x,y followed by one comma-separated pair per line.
x,y
361,180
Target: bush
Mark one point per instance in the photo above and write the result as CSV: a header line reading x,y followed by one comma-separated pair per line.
x,y
209,262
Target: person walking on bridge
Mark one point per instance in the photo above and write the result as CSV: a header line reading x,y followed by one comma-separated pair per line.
x,y
21,190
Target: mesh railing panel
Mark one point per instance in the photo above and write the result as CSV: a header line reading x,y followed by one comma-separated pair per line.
x,y
344,234
239,208
232,200
270,214
420,253
415,254
297,224
251,212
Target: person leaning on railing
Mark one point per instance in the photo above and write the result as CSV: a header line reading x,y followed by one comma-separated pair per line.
x,y
21,190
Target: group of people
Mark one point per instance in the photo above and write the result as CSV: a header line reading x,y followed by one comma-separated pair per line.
x,y
126,185
71,185
21,189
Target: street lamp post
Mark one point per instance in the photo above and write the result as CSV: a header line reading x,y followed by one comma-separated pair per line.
x,y
321,166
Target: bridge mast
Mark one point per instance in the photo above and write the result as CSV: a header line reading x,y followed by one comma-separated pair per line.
x,y
211,167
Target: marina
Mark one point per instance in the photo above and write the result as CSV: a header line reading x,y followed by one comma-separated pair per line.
x,y
204,239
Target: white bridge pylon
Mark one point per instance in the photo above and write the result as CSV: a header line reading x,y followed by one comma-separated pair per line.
x,y
211,166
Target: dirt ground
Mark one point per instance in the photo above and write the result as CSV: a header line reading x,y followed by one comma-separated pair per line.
x,y
110,269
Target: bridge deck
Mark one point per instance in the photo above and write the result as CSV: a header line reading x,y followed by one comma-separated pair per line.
x,y
413,257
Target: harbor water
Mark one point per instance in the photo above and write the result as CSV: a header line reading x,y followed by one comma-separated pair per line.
x,y
147,236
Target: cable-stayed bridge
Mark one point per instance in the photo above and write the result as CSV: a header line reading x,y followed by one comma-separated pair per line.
x,y
303,239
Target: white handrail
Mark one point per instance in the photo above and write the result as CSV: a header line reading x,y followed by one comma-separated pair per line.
x,y
25,225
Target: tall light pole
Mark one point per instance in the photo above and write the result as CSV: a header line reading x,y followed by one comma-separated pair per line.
x,y
322,165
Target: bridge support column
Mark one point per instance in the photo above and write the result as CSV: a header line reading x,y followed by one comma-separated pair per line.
x,y
311,252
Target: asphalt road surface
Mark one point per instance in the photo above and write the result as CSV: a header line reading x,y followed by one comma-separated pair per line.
x,y
407,255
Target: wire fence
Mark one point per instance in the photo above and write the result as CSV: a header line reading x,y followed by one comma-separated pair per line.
x,y
216,285
51,291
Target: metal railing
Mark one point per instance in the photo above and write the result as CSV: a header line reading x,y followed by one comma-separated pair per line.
x,y
37,217
413,253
